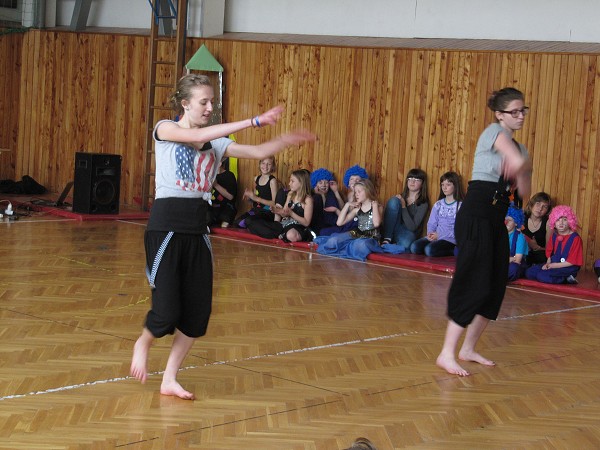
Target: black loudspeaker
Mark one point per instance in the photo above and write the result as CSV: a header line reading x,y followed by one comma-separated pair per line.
x,y
97,183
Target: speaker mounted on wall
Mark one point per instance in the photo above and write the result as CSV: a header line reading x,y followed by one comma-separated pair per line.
x,y
97,183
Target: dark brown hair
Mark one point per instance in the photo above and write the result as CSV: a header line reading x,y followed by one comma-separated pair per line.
x,y
499,100
421,175
185,85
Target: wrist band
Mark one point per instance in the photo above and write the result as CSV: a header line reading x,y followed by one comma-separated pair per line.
x,y
257,122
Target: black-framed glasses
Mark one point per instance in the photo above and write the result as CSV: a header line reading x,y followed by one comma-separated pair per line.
x,y
515,112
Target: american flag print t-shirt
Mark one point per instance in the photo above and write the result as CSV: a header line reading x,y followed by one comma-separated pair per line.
x,y
185,171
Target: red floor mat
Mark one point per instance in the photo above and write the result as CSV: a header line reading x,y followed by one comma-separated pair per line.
x,y
66,211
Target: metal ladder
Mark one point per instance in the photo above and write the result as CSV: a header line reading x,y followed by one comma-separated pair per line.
x,y
164,71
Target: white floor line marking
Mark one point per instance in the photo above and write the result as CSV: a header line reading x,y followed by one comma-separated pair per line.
x,y
551,294
132,223
15,222
556,311
214,363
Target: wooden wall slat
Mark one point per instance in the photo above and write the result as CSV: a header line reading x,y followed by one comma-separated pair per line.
x,y
387,109
11,47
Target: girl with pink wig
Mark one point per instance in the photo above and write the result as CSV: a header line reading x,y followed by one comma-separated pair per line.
x,y
564,250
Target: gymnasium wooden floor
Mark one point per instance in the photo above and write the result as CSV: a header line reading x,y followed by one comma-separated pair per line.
x,y
303,352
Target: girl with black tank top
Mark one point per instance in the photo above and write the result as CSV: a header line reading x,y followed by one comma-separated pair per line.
x,y
292,219
263,196
537,212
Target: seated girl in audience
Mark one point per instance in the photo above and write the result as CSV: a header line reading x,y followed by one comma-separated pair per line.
x,y
327,202
351,176
536,227
222,211
516,243
564,250
263,196
440,239
358,243
292,219
405,213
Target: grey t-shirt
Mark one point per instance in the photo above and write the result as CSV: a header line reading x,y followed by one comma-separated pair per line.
x,y
184,171
487,165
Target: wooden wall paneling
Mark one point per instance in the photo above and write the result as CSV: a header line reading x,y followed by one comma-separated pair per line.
x,y
88,84
365,119
120,95
333,101
357,125
67,115
107,109
62,157
534,136
136,122
308,90
287,161
36,156
391,175
576,78
54,154
540,123
429,155
590,144
401,115
454,127
11,48
563,162
325,92
443,116
324,154
552,147
25,106
385,79
410,125
232,96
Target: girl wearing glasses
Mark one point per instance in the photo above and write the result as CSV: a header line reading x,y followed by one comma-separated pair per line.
x,y
405,213
479,282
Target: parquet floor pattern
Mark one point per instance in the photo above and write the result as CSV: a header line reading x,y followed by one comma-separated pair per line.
x,y
303,352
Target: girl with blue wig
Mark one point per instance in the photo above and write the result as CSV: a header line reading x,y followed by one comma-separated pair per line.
x,y
516,242
351,176
327,201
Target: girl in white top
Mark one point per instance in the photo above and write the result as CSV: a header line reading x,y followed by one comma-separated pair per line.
x,y
178,253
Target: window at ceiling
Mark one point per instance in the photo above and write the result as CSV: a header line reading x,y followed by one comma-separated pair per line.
x,y
11,10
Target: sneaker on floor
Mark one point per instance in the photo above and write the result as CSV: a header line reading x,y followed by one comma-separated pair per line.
x,y
571,280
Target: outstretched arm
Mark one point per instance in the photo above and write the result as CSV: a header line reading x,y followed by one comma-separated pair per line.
x,y
269,148
171,131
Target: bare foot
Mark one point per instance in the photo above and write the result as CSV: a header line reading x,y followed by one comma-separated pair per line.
x,y
449,364
139,360
175,389
475,357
